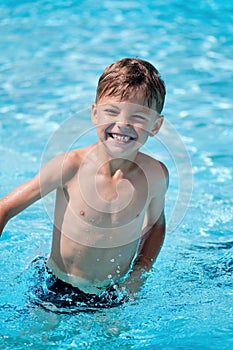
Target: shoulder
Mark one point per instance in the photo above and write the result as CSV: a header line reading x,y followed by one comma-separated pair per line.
x,y
153,165
63,166
74,158
156,172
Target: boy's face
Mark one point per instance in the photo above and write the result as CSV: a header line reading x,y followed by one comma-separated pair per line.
x,y
124,126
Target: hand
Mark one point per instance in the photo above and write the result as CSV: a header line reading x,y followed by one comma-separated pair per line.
x,y
134,282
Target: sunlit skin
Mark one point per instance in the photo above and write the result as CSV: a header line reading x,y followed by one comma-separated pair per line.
x,y
109,211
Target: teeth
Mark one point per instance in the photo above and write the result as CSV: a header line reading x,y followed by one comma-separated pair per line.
x,y
121,138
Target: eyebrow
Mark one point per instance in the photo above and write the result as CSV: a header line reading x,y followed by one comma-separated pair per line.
x,y
142,109
111,105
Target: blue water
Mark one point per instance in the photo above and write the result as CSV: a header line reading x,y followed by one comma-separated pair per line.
x,y
52,53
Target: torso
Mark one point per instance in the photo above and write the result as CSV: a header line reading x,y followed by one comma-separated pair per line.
x,y
96,235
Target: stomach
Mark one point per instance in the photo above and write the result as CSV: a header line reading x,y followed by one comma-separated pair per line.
x,y
92,263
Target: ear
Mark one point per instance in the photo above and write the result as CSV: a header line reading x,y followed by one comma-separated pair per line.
x,y
94,113
157,125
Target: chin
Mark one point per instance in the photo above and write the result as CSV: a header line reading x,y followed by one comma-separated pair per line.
x,y
121,151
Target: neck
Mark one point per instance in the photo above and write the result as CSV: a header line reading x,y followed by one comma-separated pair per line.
x,y
125,165
109,165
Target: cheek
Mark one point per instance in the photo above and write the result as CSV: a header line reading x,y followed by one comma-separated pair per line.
x,y
102,118
142,128
142,134
100,130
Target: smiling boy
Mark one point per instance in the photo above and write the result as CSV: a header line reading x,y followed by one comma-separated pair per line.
x,y
109,220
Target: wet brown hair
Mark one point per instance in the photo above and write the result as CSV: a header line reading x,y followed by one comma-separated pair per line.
x,y
129,76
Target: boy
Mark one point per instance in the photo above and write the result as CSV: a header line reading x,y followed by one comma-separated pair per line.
x,y
109,221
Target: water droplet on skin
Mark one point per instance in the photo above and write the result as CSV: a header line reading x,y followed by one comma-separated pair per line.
x,y
109,276
118,271
97,259
112,260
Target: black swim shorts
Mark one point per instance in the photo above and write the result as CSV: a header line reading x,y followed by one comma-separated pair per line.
x,y
55,295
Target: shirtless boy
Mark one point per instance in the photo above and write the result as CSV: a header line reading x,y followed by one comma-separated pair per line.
x,y
109,220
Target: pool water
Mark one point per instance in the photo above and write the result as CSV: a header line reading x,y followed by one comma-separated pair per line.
x,y
51,56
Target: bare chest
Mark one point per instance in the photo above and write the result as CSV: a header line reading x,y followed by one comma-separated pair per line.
x,y
108,203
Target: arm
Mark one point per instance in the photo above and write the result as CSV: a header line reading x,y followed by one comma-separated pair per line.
x,y
152,237
18,200
149,249
51,176
151,244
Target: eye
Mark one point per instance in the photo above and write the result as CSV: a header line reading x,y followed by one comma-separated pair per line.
x,y
139,117
111,111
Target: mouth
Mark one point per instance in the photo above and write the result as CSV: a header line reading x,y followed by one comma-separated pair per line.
x,y
120,137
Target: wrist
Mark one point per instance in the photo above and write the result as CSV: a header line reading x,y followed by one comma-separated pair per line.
x,y
143,263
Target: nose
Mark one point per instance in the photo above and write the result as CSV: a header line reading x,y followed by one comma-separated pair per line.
x,y
123,127
123,124
123,121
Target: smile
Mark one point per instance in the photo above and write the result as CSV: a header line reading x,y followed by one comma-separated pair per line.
x,y
120,137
